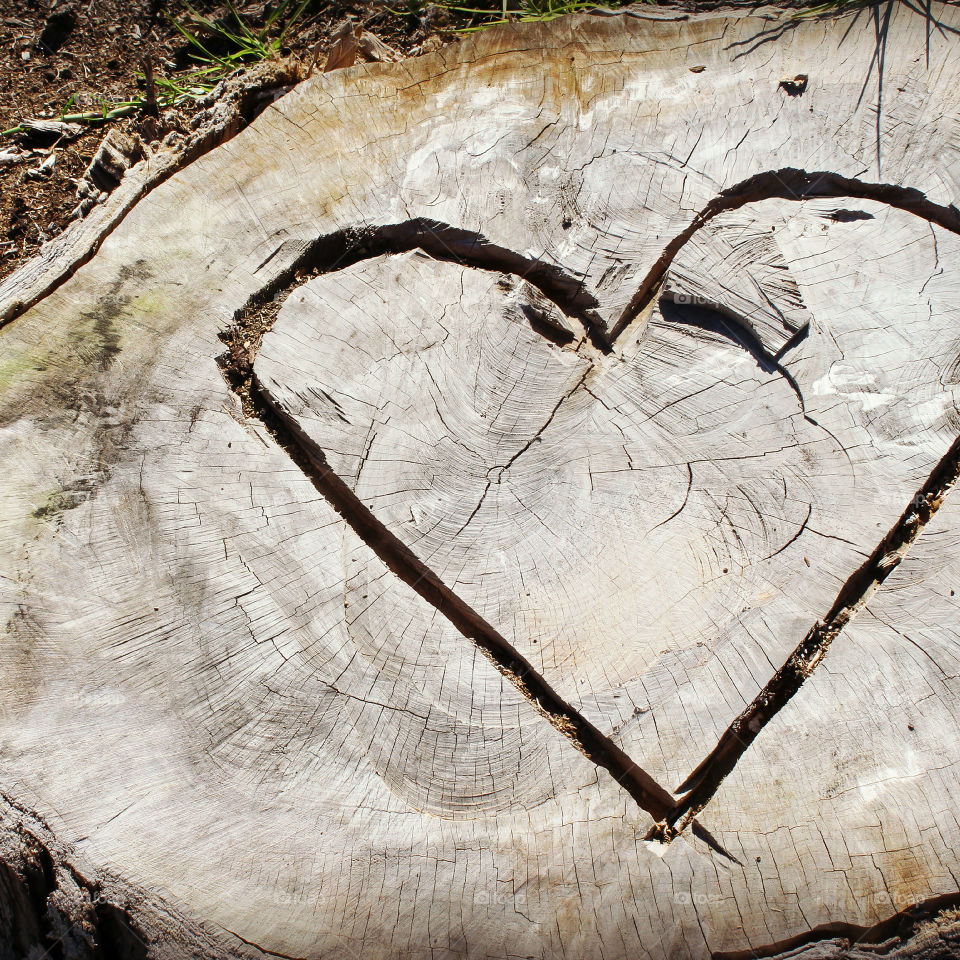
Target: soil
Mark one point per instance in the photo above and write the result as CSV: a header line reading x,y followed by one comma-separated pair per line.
x,y
74,56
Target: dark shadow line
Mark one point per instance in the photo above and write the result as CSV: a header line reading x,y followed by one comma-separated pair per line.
x,y
700,787
408,567
441,241
787,183
334,252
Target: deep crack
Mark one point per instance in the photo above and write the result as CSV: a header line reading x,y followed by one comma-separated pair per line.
x,y
334,252
901,926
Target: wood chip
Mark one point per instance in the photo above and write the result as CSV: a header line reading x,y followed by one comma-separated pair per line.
x,y
375,50
115,155
346,46
352,42
40,129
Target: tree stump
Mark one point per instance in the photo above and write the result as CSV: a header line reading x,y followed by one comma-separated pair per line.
x,y
499,504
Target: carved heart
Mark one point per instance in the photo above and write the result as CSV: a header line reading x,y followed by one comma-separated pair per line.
x,y
611,516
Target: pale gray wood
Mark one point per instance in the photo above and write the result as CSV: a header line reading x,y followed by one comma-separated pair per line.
x,y
734,266
214,688
875,829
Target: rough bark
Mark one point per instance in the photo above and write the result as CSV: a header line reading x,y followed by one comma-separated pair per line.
x,y
500,504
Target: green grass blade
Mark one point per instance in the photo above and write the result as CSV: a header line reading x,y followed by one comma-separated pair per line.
x,y
207,57
290,22
244,29
277,13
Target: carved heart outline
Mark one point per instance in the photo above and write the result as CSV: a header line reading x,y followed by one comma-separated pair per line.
x,y
673,812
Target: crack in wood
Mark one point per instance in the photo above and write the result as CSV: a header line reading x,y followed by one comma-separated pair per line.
x,y
440,241
723,324
262,949
406,565
498,470
686,497
900,926
709,318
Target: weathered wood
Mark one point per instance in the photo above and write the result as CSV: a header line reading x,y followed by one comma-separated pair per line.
x,y
559,573
105,202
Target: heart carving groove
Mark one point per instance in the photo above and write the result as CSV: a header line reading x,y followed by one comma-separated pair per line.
x,y
570,321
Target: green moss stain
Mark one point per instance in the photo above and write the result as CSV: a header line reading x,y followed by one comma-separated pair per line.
x,y
94,338
149,303
102,319
57,503
14,366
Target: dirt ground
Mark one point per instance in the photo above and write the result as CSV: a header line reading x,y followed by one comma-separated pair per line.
x,y
73,56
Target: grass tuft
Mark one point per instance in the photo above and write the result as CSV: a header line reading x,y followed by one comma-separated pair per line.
x,y
244,45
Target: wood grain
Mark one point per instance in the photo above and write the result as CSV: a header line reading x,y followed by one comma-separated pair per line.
x,y
637,451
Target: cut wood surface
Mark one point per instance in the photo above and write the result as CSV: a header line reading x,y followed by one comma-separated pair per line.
x,y
499,504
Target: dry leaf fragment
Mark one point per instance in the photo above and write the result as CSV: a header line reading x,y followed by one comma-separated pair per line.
x,y
352,42
346,45
375,50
